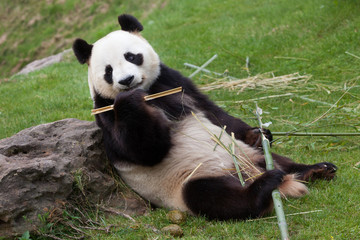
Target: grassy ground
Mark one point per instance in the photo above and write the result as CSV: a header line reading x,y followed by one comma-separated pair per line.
x,y
310,37
33,29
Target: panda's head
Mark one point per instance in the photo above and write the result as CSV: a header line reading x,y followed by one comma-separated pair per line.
x,y
120,61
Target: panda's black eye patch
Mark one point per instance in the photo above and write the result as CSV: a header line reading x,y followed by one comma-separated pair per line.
x,y
136,59
108,74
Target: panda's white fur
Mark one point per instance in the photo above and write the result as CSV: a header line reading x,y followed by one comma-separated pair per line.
x,y
184,168
110,50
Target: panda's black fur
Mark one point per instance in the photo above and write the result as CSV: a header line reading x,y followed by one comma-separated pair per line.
x,y
150,143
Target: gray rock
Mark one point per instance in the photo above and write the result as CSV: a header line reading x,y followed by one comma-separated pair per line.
x,y
40,167
44,62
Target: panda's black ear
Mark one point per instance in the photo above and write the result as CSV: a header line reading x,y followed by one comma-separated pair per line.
x,y
82,50
129,23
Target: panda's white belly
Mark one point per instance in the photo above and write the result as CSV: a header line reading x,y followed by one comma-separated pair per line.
x,y
193,155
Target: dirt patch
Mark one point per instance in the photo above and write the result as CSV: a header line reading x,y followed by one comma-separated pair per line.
x,y
152,6
3,38
34,20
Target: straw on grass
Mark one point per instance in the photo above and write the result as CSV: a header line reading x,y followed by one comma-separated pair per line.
x,y
321,102
146,98
332,106
291,58
259,98
260,80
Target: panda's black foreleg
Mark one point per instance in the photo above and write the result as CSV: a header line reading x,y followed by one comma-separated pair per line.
x,y
304,172
142,132
224,198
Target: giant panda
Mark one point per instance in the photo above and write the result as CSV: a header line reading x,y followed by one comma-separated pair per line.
x,y
164,148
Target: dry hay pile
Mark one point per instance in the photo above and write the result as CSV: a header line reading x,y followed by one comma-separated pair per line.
x,y
265,80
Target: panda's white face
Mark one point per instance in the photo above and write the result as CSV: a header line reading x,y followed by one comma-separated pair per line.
x,y
122,61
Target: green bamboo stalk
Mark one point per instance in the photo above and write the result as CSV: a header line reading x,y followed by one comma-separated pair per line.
x,y
235,161
275,193
221,133
313,134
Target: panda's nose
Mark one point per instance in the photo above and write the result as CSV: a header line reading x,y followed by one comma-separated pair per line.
x,y
127,81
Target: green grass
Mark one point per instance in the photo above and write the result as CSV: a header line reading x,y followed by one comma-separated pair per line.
x,y
34,29
310,37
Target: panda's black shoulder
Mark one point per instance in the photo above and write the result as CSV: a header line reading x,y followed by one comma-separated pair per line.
x,y
172,78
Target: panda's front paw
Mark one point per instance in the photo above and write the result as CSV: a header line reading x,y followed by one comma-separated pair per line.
x,y
253,136
130,102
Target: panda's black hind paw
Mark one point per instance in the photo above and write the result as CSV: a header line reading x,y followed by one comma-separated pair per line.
x,y
267,182
324,170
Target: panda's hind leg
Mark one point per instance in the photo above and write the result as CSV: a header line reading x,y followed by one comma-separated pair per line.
x,y
304,172
225,198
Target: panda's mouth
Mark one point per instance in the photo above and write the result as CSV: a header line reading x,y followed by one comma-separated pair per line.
x,y
135,86
128,88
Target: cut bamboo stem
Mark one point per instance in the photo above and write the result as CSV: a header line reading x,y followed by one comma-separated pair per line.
x,y
206,70
202,69
247,66
235,161
146,98
276,196
351,54
313,134
163,94
287,215
203,66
